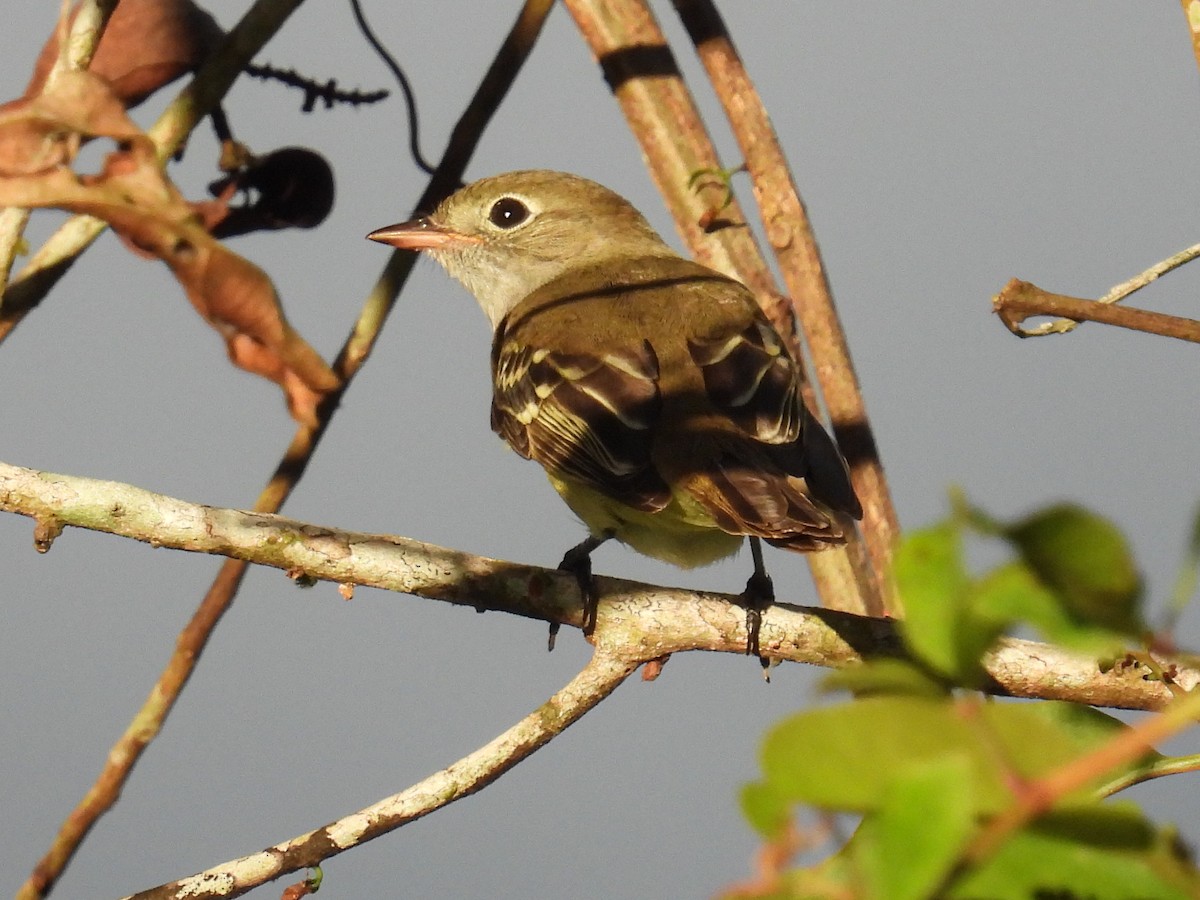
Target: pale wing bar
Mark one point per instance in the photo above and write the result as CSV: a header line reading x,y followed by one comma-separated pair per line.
x,y
587,417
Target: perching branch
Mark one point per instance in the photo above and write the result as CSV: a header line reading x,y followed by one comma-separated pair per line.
x,y
599,678
635,621
637,63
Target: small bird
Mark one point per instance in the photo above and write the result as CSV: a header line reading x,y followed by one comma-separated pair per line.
x,y
663,405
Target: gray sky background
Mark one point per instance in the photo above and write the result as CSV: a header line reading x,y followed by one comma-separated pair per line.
x,y
942,148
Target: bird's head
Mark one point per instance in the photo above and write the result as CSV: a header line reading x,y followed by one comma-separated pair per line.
x,y
505,236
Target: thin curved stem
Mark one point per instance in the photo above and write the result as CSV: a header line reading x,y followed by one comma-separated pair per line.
x,y
410,99
1171,765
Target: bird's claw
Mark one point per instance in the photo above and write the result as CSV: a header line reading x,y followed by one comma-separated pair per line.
x,y
757,597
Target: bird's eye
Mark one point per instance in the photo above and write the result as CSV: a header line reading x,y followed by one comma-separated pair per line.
x,y
508,212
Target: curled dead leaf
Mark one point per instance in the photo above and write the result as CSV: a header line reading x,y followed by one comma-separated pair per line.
x,y
134,195
41,132
147,44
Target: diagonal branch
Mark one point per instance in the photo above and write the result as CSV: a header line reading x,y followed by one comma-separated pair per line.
x,y
637,63
635,621
475,771
790,234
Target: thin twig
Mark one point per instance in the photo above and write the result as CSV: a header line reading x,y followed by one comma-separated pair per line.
x,y
410,99
1038,796
599,678
1019,300
795,246
1115,295
639,67
329,93
633,619
146,724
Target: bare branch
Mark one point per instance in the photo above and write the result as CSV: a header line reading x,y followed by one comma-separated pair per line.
x,y
1019,300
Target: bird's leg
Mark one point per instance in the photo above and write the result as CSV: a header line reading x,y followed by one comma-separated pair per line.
x,y
578,562
758,596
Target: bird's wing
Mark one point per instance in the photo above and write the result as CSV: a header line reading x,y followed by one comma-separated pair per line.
x,y
583,415
766,483
751,378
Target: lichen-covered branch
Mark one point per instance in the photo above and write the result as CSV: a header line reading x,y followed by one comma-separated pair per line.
x,y
599,678
635,621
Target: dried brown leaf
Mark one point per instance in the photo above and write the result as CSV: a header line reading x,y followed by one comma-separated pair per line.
x,y
38,133
136,198
147,44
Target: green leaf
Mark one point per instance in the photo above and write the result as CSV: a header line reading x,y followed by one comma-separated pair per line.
x,y
1099,852
1085,558
1087,726
1013,593
1187,576
933,583
765,808
843,757
884,676
1029,742
906,850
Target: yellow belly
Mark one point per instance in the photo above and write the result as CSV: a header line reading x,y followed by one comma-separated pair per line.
x,y
683,533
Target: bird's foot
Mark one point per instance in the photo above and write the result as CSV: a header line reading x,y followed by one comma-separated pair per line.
x,y
757,598
578,562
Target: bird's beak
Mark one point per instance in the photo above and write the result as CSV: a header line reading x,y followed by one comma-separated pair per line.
x,y
419,234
